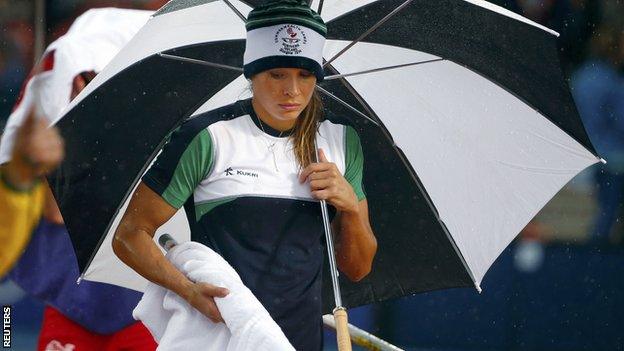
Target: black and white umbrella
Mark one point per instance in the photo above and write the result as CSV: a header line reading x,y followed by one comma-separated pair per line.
x,y
474,129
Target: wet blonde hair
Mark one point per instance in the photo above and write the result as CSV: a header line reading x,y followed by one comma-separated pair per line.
x,y
304,131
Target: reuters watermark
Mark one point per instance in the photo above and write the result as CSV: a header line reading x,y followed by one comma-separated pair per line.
x,y
6,327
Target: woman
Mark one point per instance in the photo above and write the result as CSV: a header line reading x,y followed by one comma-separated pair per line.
x,y
247,178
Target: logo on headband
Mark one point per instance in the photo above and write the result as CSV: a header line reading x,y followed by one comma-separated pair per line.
x,y
291,38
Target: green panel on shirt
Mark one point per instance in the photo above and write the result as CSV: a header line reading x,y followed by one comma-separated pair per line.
x,y
354,157
190,170
202,208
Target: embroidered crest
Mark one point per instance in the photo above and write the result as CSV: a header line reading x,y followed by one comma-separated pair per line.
x,y
291,38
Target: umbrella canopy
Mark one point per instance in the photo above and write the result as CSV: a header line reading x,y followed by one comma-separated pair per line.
x,y
473,130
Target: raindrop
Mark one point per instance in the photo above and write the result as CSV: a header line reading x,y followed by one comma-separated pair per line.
x,y
529,256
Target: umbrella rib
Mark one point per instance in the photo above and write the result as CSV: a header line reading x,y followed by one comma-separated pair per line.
x,y
336,76
345,104
369,31
355,94
238,13
199,62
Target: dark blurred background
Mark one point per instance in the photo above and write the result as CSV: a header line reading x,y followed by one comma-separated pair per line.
x,y
557,287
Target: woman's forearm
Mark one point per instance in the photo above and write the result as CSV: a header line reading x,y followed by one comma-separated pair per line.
x,y
355,243
135,247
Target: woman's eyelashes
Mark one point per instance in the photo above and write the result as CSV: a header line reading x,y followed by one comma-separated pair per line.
x,y
281,75
276,75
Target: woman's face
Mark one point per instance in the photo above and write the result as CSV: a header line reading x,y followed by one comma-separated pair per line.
x,y
282,93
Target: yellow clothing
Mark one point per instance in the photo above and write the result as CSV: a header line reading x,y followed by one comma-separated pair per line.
x,y
20,211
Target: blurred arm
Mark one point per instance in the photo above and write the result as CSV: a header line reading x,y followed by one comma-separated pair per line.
x,y
37,149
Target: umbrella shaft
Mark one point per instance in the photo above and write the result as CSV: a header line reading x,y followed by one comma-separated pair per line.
x,y
333,268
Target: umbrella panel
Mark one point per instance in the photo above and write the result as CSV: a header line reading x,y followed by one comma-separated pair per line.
x,y
414,252
517,56
150,96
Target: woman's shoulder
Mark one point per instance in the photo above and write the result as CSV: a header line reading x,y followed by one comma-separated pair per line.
x,y
224,113
340,124
330,118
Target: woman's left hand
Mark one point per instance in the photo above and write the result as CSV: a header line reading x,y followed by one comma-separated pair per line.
x,y
327,183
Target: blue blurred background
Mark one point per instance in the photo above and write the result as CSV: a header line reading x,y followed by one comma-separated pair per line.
x,y
557,287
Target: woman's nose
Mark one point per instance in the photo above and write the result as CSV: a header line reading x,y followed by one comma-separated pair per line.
x,y
292,87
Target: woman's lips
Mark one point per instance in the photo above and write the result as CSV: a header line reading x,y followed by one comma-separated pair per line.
x,y
290,107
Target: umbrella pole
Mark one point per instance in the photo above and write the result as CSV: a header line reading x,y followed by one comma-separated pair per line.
x,y
340,313
361,337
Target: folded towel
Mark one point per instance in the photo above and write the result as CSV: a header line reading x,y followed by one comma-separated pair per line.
x,y
176,325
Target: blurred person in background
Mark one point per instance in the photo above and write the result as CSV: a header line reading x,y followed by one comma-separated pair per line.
x,y
88,316
38,149
598,90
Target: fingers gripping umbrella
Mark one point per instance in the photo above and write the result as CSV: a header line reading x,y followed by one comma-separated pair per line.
x,y
466,122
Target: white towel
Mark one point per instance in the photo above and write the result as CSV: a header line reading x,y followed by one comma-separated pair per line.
x,y
178,326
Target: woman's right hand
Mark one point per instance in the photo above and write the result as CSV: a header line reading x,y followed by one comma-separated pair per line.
x,y
201,297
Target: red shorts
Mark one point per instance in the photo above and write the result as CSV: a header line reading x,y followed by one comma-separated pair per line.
x,y
58,333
